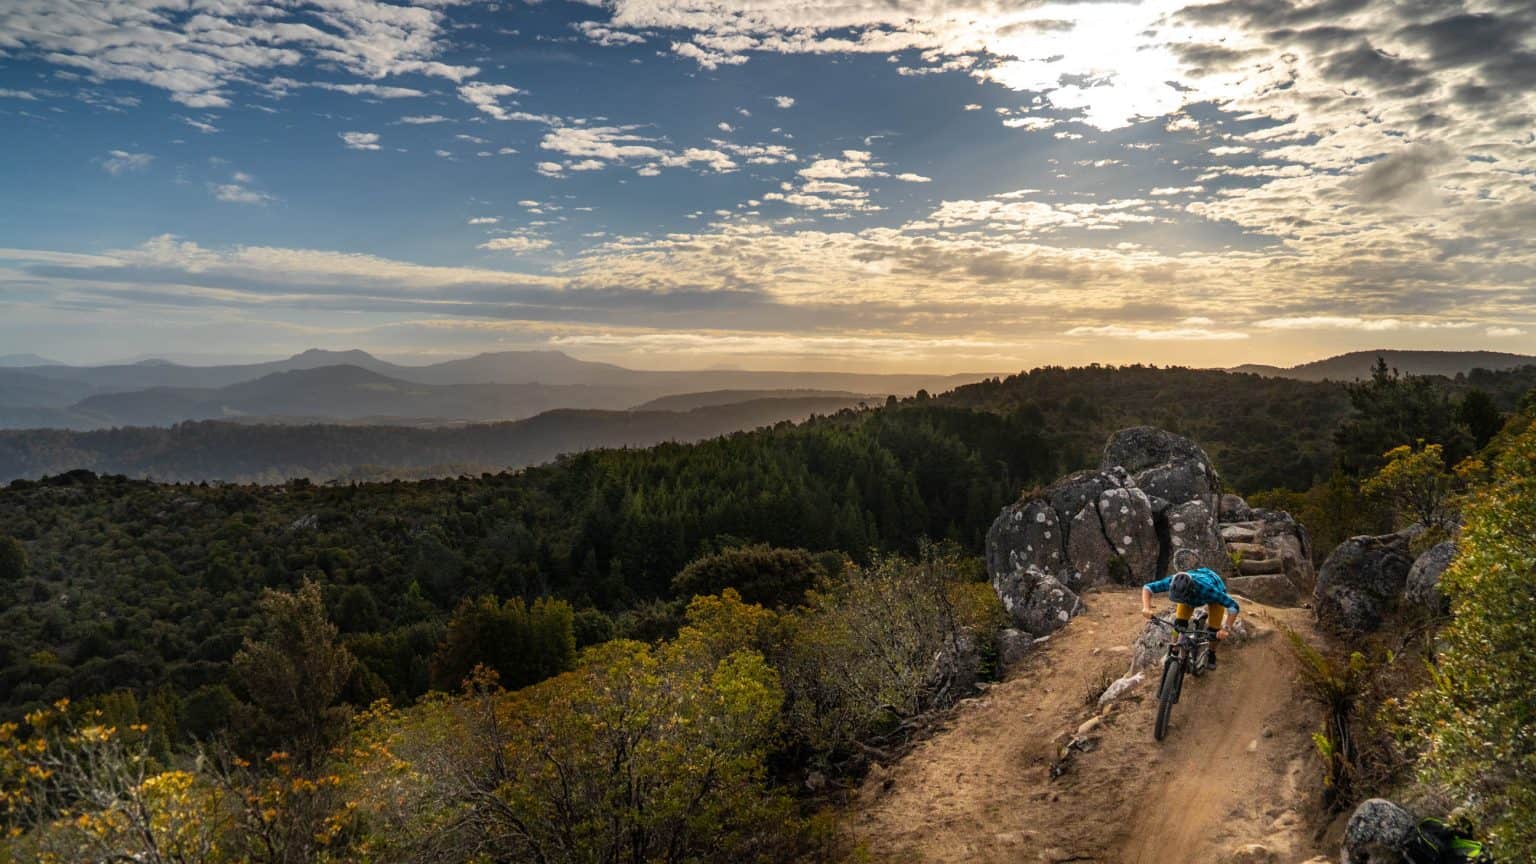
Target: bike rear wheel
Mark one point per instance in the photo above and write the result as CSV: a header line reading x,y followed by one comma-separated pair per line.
x,y
1167,695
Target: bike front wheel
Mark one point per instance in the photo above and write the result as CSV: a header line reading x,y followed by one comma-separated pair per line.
x,y
1167,695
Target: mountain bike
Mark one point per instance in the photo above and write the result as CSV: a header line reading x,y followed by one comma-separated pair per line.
x,y
1189,653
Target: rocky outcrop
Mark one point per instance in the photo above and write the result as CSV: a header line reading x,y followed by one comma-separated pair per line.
x,y
1036,599
1423,582
1377,832
1154,494
1361,582
1192,525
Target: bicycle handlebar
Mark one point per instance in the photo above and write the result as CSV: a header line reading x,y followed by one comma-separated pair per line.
x,y
1206,635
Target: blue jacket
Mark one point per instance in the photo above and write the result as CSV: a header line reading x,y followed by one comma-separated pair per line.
x,y
1208,588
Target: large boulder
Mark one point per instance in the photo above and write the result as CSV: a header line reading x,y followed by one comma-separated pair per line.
x,y
1071,493
1192,525
1377,833
1088,551
1026,533
1141,447
1271,589
1037,600
1423,583
1180,482
1361,582
1126,515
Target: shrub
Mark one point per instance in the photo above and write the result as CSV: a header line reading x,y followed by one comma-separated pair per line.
x,y
1474,720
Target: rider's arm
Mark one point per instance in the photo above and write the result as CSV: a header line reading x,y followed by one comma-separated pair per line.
x,y
1148,590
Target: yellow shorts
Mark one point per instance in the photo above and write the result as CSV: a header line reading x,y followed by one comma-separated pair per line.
x,y
1215,614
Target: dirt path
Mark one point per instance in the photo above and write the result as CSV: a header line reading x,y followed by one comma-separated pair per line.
x,y
1236,767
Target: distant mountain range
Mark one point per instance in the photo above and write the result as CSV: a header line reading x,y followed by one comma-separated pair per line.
x,y
1357,365
192,452
14,360
354,386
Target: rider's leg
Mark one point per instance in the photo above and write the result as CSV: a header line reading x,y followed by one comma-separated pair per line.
x,y
1215,614
1181,614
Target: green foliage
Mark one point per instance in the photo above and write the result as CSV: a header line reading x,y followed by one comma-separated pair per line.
x,y
1481,416
13,559
1414,484
1473,722
1332,512
760,573
293,670
522,642
1336,687
883,646
1392,410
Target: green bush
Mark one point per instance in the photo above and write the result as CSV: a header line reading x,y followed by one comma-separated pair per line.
x,y
1474,722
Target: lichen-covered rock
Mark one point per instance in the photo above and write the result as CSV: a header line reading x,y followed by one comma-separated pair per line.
x,y
1192,525
1233,509
1377,833
1026,533
1423,583
1121,687
1087,551
1037,600
1361,582
1013,645
1126,515
1274,589
1180,482
1141,447
1071,493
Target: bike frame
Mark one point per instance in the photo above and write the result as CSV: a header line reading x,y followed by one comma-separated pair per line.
x,y
1184,655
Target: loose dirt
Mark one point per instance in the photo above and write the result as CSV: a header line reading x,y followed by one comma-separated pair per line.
x,y
1237,767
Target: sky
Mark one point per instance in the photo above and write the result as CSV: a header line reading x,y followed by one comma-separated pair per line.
x,y
872,185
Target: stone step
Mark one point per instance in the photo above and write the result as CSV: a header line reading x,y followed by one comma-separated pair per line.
x,y
1260,566
1251,524
1271,589
1249,550
1239,534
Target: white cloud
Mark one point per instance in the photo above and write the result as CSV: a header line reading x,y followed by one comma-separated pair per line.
x,y
486,98
196,57
202,126
517,244
118,161
8,93
725,127
360,140
423,119
914,178
972,107
375,90
236,193
1194,331
484,220
784,101
1502,332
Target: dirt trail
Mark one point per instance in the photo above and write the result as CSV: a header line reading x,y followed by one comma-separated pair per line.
x,y
1236,768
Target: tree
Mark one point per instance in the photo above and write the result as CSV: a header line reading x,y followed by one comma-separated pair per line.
x,y
761,573
1481,416
1392,410
523,643
1474,721
1414,483
293,671
13,559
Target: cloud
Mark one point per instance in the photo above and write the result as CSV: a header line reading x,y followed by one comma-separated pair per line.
x,y
360,140
195,58
423,119
375,90
1196,332
8,93
484,220
202,126
118,161
237,193
784,101
1502,332
486,98
516,244
914,178
1400,175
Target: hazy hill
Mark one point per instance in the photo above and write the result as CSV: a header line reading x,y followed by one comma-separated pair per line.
x,y
690,401
14,360
339,393
1358,364
269,453
498,386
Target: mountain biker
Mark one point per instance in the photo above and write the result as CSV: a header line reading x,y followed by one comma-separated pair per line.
x,y
1188,588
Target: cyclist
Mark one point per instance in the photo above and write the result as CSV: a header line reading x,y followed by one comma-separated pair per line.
x,y
1188,588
